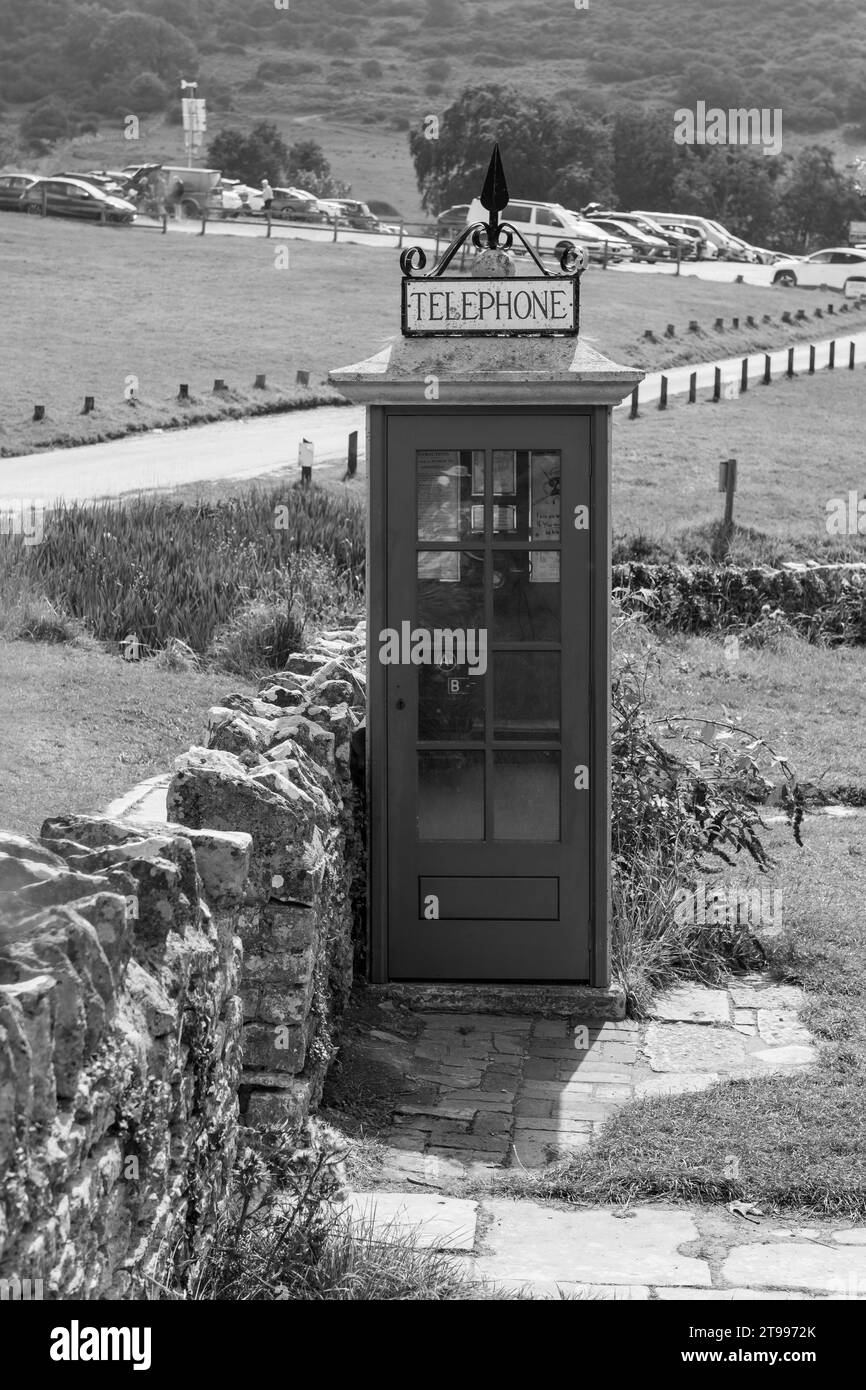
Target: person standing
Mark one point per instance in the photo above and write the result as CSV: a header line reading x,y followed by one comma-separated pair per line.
x,y
267,194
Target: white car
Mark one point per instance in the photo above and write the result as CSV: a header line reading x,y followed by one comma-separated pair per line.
x,y
834,267
240,198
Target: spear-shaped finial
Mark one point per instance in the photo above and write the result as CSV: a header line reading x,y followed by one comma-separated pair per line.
x,y
494,195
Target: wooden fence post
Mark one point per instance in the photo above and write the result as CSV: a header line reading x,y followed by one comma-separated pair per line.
x,y
693,388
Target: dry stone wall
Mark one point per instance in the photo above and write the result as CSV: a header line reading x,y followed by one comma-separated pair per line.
x,y
282,768
120,1029
162,985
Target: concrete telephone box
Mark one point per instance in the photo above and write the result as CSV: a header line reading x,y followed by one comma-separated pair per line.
x,y
488,454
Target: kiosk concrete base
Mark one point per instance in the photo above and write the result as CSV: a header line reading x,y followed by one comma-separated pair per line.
x,y
580,1002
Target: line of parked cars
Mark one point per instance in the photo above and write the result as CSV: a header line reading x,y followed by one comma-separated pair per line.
x,y
612,235
121,194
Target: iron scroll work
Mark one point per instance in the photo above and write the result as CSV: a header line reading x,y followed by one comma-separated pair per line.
x,y
550,300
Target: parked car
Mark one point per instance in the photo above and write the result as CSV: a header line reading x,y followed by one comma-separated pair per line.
x,y
350,213
644,247
675,240
116,186
717,244
835,267
11,188
75,198
296,203
551,229
452,220
702,248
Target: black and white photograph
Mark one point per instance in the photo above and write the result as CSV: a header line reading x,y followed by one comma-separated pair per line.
x,y
433,670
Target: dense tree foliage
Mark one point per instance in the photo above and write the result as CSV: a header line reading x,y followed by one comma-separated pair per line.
x,y
563,155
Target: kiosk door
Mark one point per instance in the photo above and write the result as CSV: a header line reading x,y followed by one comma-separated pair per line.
x,y
487,651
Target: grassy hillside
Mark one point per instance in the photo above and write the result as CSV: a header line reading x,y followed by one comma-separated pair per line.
x,y
355,74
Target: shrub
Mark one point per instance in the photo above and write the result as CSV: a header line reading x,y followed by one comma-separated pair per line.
x,y
685,801
148,93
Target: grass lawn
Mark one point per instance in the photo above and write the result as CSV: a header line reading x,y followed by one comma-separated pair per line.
x,y
797,443
78,727
168,309
805,701
801,1140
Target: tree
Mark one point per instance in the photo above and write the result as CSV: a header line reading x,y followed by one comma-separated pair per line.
x,y
644,160
130,43
817,202
738,187
549,151
262,153
307,157
46,123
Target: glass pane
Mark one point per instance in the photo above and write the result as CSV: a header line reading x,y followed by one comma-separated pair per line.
x,y
450,704
526,695
450,796
526,796
450,644
445,479
450,589
526,596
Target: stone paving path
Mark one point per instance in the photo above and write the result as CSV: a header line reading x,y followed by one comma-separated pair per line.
x,y
655,1251
484,1092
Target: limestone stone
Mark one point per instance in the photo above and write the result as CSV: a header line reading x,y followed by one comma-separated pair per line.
x,y
436,1223
528,1242
786,1056
691,1004
819,1268
675,1083
856,1236
766,996
781,1028
682,1047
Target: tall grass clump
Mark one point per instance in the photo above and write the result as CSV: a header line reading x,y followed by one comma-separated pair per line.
x,y
286,1237
165,571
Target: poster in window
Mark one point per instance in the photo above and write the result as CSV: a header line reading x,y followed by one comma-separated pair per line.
x,y
504,472
545,514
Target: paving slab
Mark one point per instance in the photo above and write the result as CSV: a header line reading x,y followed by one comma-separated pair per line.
x,y
821,1268
438,1223
781,1027
551,1289
675,1083
757,995
691,1004
856,1236
725,1295
786,1056
682,1047
529,1242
